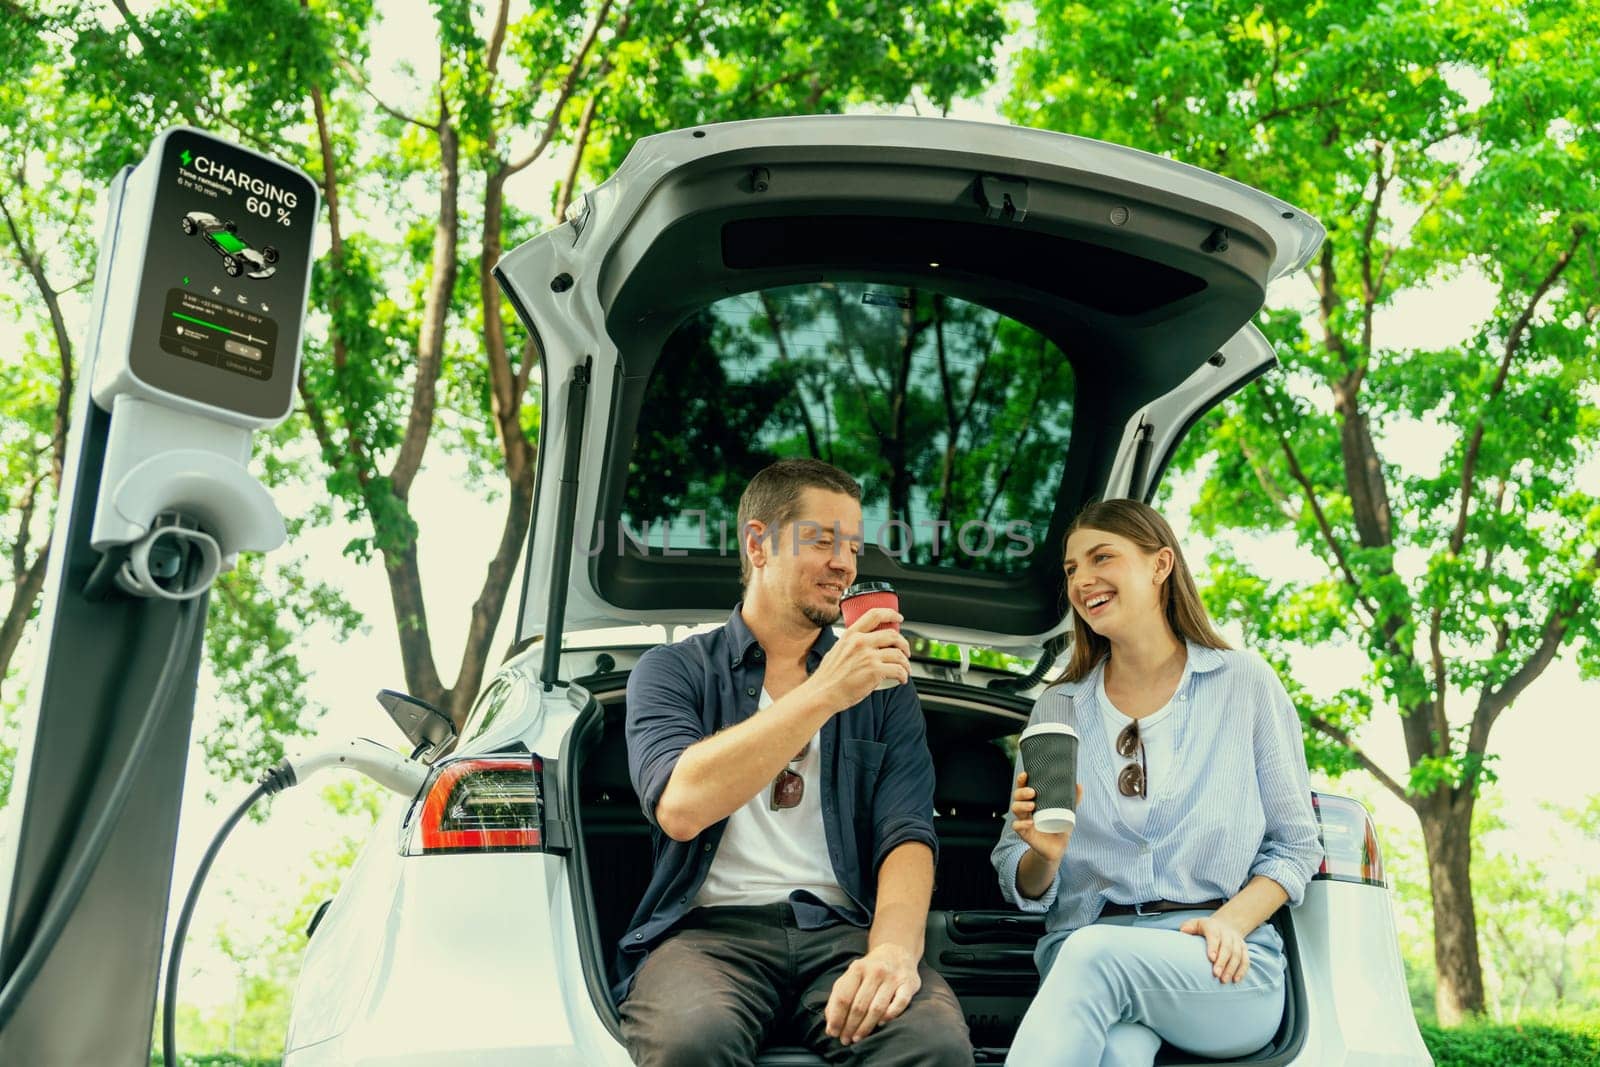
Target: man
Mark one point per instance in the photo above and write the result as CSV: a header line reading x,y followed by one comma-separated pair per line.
x,y
791,805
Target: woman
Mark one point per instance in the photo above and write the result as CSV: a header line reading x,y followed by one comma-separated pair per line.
x,y
1194,823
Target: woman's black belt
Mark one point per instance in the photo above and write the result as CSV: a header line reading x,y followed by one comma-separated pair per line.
x,y
1156,907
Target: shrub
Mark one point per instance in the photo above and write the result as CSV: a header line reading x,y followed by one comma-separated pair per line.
x,y
1557,1042
215,1059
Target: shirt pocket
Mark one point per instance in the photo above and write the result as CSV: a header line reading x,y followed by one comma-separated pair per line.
x,y
867,754
863,761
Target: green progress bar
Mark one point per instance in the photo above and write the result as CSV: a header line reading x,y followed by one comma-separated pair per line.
x,y
200,322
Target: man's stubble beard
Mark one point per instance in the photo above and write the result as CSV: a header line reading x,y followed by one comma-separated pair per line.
x,y
821,618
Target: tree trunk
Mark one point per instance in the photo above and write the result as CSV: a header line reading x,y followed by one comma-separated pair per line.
x,y
411,624
1445,834
405,580
28,580
486,610
25,597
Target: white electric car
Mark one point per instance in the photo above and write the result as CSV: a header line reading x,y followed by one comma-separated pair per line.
x,y
988,326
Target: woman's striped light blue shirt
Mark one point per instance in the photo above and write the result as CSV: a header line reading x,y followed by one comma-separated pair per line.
x,y
1235,802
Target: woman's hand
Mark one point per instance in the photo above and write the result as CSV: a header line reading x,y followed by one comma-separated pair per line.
x,y
1225,946
1050,847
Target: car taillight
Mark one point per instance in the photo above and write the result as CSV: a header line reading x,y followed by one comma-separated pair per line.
x,y
1349,841
491,804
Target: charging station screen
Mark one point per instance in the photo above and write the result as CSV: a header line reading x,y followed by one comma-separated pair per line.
x,y
211,332
226,263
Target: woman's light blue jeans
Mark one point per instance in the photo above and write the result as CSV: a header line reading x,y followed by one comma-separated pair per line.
x,y
1114,990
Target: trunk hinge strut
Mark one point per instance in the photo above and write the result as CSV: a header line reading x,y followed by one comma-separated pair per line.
x,y
566,510
1144,442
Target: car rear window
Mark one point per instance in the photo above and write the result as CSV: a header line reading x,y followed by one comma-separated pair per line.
x,y
954,418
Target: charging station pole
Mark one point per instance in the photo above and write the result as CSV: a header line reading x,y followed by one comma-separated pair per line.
x,y
194,342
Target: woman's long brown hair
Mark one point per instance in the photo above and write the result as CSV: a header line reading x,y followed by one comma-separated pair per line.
x,y
1146,528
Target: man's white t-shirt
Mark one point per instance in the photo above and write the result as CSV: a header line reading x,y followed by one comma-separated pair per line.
x,y
765,855
1155,732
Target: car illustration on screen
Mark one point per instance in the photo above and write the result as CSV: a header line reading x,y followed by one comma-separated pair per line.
x,y
237,255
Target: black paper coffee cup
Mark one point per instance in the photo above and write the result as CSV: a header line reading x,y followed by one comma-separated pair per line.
x,y
1050,758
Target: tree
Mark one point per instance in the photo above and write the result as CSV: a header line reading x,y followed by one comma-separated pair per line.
x,y
63,146
411,344
1434,141
1535,902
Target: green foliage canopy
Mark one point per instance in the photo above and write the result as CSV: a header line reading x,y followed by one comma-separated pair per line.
x,y
1442,485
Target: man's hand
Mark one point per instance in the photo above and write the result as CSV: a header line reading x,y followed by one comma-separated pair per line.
x,y
873,990
1225,946
861,658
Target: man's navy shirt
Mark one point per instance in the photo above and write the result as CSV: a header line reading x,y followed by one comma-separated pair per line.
x,y
877,776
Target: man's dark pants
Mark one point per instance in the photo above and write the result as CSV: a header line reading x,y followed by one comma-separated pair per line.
x,y
729,980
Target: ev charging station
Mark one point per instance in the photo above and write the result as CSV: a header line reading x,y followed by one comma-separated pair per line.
x,y
194,343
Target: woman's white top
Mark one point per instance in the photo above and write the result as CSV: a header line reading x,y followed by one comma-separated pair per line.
x,y
1155,733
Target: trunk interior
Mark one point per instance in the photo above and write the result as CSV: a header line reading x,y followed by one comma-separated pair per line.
x,y
982,945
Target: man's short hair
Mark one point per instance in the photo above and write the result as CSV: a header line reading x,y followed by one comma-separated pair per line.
x,y
773,496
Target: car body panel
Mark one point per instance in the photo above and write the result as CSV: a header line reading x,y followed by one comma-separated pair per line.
x,y
340,958
1361,1013
431,944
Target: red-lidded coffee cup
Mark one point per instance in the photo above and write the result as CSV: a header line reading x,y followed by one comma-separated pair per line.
x,y
862,598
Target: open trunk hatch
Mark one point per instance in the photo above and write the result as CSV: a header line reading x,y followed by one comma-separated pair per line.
x,y
986,325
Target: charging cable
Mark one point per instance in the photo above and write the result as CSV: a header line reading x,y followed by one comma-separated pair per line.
x,y
61,908
383,765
